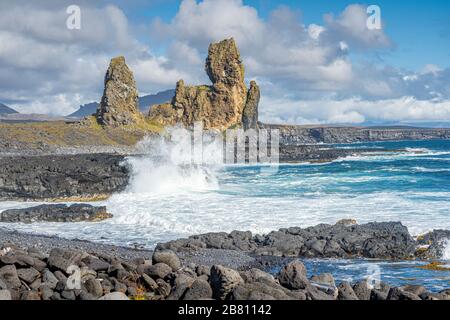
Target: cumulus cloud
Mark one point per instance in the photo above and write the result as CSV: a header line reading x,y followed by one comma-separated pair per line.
x,y
353,111
306,71
351,25
47,68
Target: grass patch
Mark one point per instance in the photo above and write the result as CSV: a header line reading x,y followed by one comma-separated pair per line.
x,y
87,132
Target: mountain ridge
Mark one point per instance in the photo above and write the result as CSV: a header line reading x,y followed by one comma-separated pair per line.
x,y
145,102
4,109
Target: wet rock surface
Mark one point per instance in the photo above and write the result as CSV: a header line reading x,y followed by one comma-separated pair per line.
x,y
62,176
387,240
56,213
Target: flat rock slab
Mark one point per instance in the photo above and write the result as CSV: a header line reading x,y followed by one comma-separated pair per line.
x,y
80,176
56,213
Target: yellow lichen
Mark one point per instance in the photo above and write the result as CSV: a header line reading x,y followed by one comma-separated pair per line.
x,y
435,266
91,198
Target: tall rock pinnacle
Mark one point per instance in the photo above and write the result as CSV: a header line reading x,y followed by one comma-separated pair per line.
x,y
250,115
119,105
220,105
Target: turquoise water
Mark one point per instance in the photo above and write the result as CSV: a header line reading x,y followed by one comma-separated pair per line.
x,y
394,273
424,168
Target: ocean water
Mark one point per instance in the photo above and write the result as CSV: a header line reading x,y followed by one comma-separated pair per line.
x,y
395,273
167,200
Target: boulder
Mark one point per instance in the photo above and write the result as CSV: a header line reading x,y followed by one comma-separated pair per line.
x,y
28,275
61,259
414,289
399,294
200,289
119,105
313,293
94,287
30,295
223,280
114,296
149,282
345,292
325,279
168,257
293,276
180,284
362,290
5,295
163,288
159,270
95,263
254,275
9,277
55,213
264,289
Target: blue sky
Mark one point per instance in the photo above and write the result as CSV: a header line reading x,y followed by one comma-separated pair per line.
x,y
315,61
420,29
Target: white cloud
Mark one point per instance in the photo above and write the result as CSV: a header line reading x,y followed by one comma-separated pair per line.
x,y
47,68
352,110
351,26
306,72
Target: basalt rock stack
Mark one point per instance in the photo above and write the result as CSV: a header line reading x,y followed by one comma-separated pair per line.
x,y
119,105
224,104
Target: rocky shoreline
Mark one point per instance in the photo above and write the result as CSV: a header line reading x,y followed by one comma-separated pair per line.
x,y
216,266
80,177
95,176
346,239
301,135
56,213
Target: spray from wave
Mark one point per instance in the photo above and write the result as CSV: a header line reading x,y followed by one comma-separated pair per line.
x,y
166,164
446,250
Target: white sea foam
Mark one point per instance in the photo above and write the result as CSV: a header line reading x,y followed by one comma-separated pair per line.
x,y
418,150
147,218
167,166
446,251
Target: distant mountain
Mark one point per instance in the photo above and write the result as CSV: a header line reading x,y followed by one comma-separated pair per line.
x,y
85,110
6,110
145,103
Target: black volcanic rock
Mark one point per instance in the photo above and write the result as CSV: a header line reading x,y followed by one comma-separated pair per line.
x,y
62,176
55,213
384,240
301,135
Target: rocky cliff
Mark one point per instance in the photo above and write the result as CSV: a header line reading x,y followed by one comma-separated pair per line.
x,y
224,104
119,104
299,135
